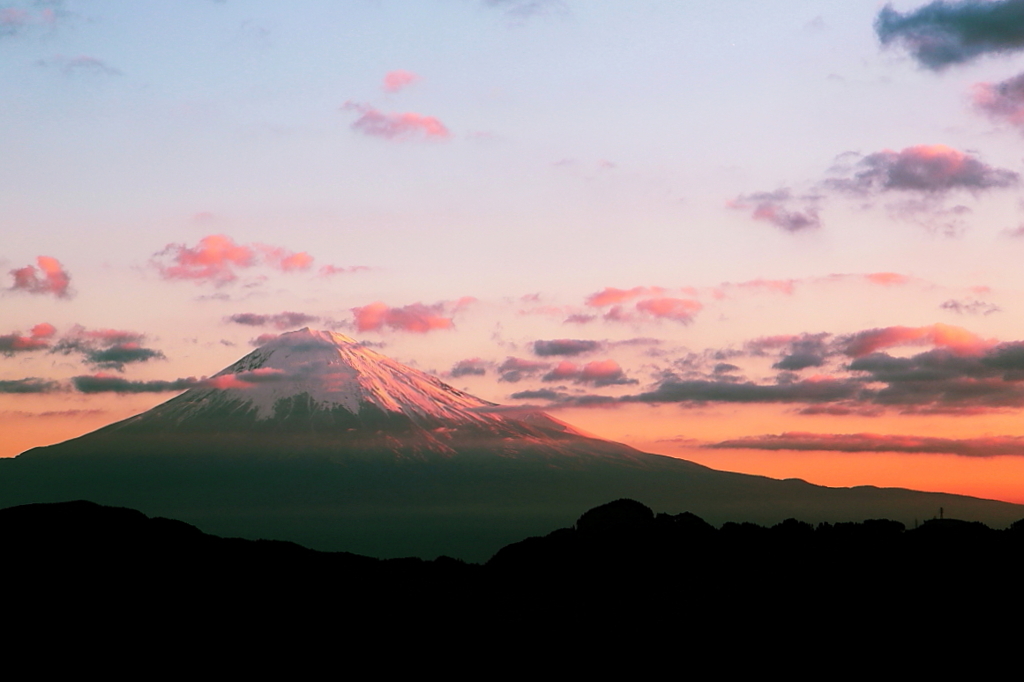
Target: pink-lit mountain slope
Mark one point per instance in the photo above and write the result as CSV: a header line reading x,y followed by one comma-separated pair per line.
x,y
316,391
317,439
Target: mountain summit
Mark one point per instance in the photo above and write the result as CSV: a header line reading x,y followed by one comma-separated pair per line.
x,y
321,391
317,439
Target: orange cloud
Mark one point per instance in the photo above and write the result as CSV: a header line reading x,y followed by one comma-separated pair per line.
x,y
406,126
611,295
49,278
678,309
956,339
886,278
598,373
217,257
416,317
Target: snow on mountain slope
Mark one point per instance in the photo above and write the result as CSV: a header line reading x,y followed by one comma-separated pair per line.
x,y
328,372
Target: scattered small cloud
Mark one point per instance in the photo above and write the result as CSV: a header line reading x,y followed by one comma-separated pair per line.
x,y
217,258
106,348
540,394
38,339
777,208
49,278
285,320
1003,101
970,307
470,367
397,80
416,317
931,169
81,64
564,347
331,270
597,373
514,370
395,126
611,295
29,385
679,309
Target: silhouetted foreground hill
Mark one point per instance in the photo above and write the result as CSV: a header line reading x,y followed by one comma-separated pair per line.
x,y
621,566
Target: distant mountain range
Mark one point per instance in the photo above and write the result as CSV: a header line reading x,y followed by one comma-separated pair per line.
x,y
317,439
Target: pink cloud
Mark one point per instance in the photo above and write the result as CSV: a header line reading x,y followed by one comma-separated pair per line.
x,y
886,278
43,330
283,259
36,340
678,309
399,79
1002,101
49,278
598,373
217,257
392,126
416,317
611,295
957,339
927,168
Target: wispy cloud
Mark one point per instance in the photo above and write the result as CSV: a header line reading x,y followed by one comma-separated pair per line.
x,y
564,347
81,64
777,209
285,320
395,126
29,385
990,446
217,258
397,80
416,317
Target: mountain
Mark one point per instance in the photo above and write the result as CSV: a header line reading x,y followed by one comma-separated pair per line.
x,y
317,439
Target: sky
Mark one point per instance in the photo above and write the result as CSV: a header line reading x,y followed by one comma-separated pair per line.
x,y
777,238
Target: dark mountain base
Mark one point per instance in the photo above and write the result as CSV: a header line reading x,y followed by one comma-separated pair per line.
x,y
466,506
623,584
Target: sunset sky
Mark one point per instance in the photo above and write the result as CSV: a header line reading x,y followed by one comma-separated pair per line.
x,y
778,238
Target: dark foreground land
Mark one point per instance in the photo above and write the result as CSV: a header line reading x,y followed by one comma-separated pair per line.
x,y
81,568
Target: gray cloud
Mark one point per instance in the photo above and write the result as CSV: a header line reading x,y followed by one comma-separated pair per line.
x,y
934,169
970,307
940,33
285,320
30,385
564,347
775,208
991,446
470,367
